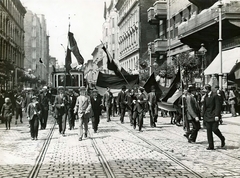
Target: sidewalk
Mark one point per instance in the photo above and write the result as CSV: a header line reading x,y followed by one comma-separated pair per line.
x,y
229,118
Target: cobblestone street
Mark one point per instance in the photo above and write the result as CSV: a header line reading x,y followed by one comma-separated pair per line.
x,y
156,152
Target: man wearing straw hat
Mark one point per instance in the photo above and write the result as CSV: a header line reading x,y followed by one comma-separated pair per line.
x,y
82,108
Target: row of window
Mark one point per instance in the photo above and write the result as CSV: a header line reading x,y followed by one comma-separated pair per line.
x,y
130,64
8,52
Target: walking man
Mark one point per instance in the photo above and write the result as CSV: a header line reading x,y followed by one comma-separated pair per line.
x,y
33,112
153,107
193,114
138,109
107,102
44,103
211,114
82,108
122,103
60,104
96,109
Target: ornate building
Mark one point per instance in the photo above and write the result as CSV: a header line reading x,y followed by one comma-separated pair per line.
x,y
134,33
12,15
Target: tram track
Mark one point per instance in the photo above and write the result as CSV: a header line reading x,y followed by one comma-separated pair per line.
x,y
37,166
159,150
107,168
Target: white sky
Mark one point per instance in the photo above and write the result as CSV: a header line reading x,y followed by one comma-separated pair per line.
x,y
86,20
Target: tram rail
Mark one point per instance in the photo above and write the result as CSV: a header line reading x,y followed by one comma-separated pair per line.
x,y
37,166
158,149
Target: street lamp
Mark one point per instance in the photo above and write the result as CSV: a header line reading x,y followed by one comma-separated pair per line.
x,y
202,51
220,4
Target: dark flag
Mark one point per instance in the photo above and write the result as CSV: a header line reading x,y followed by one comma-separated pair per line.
x,y
40,60
68,61
111,65
124,72
74,48
173,87
152,82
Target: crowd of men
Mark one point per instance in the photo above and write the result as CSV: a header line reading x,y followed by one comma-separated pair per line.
x,y
68,105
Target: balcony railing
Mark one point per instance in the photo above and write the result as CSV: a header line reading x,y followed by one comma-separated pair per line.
x,y
160,9
208,17
160,46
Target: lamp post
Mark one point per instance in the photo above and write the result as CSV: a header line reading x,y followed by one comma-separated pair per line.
x,y
220,41
150,58
202,51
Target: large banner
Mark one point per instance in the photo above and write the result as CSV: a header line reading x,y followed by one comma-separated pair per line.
x,y
115,83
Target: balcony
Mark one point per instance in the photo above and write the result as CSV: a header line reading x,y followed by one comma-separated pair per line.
x,y
160,46
203,27
151,18
160,9
203,4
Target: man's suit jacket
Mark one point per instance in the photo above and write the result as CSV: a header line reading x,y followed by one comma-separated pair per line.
x,y
107,99
33,110
140,103
96,106
122,99
60,110
211,107
193,109
83,105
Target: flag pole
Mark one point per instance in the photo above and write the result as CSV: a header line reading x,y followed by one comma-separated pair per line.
x,y
112,60
65,73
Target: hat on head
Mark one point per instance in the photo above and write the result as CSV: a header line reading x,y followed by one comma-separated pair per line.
x,y
152,88
60,88
95,90
33,97
124,87
82,88
45,87
217,86
191,88
207,87
141,89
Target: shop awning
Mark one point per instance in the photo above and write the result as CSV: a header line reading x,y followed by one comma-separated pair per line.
x,y
229,59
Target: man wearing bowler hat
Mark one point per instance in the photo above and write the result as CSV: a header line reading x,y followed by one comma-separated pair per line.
x,y
60,104
96,109
82,108
211,115
122,101
193,114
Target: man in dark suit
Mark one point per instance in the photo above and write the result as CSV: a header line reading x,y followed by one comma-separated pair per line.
x,y
60,104
107,102
138,109
72,96
122,103
211,115
193,114
96,109
153,107
129,105
44,103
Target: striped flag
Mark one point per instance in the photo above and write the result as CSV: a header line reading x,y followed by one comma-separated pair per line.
x,y
74,48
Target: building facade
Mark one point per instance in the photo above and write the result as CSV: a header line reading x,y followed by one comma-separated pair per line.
x,y
36,45
134,33
216,25
110,34
12,15
192,26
